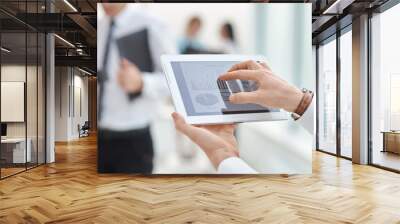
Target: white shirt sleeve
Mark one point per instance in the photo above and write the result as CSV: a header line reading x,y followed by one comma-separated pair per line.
x,y
234,165
307,120
154,86
161,42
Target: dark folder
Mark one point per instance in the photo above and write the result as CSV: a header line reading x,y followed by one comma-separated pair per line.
x,y
135,48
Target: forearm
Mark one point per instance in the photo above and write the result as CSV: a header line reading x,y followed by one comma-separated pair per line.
x,y
291,97
218,155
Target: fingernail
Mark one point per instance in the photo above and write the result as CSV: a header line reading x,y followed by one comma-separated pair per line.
x,y
232,98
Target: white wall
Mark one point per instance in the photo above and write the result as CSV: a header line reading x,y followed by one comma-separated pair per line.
x,y
61,103
33,126
80,84
213,15
69,82
17,73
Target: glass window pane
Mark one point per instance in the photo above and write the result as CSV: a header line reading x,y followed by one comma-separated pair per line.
x,y
327,97
32,87
13,86
31,97
346,94
22,76
41,98
386,89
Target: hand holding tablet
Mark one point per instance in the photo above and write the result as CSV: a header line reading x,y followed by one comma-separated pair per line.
x,y
217,141
201,97
264,89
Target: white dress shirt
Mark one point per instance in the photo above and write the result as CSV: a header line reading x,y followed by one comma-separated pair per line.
x,y
235,165
119,113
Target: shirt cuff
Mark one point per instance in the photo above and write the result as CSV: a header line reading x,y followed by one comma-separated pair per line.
x,y
234,165
133,96
307,120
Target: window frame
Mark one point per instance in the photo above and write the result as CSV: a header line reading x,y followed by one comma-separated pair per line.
x,y
31,30
334,37
381,9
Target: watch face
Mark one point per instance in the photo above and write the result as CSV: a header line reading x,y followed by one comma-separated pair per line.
x,y
304,90
295,116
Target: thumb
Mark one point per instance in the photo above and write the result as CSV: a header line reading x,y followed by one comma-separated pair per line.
x,y
180,123
124,63
243,97
190,131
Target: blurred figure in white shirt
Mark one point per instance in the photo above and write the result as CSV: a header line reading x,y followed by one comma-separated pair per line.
x,y
128,92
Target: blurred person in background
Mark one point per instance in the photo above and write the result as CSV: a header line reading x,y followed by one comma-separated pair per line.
x,y
227,35
190,43
128,89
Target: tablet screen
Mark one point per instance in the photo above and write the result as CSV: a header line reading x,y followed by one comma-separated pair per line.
x,y
203,94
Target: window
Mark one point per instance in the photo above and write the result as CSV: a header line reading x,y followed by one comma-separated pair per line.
x,y
346,93
385,89
23,89
327,97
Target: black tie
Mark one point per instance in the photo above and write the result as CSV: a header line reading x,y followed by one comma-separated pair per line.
x,y
103,76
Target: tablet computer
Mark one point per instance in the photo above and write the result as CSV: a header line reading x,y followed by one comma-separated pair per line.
x,y
201,98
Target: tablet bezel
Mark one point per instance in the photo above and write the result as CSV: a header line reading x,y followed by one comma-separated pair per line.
x,y
212,119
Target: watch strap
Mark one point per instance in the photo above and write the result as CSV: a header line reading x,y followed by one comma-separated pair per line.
x,y
305,102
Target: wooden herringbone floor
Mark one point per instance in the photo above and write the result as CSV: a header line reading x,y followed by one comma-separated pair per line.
x,y
70,191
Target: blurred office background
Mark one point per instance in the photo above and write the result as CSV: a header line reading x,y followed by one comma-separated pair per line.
x,y
281,32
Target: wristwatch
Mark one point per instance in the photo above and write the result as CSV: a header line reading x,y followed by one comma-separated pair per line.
x,y
305,102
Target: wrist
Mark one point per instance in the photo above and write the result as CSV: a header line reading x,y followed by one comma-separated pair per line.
x,y
304,104
136,87
293,98
220,155
140,88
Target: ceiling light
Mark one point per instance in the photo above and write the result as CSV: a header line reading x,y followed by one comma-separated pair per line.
x,y
329,9
79,51
84,71
70,5
338,6
65,41
5,50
